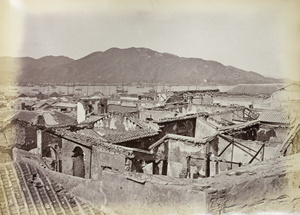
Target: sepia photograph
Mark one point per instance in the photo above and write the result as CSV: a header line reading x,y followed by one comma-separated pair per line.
x,y
153,107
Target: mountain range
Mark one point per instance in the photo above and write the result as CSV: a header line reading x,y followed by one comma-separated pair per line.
x,y
131,65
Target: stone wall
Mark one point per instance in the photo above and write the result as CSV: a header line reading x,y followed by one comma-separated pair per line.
x,y
116,122
177,153
203,129
21,135
229,115
269,186
67,162
102,159
135,193
49,139
185,127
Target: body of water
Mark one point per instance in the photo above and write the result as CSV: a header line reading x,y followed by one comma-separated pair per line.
x,y
106,90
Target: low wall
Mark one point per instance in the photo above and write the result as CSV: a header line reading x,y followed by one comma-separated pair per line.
x,y
269,186
128,194
133,193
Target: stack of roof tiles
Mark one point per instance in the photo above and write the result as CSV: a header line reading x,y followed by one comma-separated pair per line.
x,y
24,189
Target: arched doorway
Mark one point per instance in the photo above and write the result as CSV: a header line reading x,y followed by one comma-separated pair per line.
x,y
78,162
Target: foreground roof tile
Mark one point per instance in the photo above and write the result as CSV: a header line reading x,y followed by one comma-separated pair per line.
x,y
24,189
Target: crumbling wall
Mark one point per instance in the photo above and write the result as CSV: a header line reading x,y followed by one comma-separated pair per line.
x,y
177,153
15,135
281,134
203,129
67,162
135,193
270,186
116,122
105,159
49,139
155,115
118,108
294,146
22,135
184,127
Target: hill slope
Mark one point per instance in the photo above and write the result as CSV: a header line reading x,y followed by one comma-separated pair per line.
x,y
138,65
27,69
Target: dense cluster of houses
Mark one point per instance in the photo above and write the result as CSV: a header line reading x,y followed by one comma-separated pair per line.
x,y
187,134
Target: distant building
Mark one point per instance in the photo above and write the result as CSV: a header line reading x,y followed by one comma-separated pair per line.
x,y
254,89
63,107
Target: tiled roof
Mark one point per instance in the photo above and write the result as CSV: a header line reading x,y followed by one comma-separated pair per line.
x,y
67,105
54,94
91,119
52,118
172,119
21,193
240,126
40,104
293,86
62,118
273,117
208,123
144,125
25,116
254,89
63,133
121,109
90,133
138,122
130,135
190,140
88,140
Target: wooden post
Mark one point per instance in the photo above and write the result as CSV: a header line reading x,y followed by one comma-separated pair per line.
x,y
257,153
188,169
207,169
232,155
263,153
165,167
155,168
216,167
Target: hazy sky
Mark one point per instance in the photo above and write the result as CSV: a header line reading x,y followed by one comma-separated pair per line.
x,y
259,36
